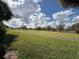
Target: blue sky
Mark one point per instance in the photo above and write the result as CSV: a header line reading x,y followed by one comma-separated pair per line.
x,y
50,6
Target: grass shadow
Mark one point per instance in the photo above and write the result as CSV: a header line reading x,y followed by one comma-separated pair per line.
x,y
9,39
6,44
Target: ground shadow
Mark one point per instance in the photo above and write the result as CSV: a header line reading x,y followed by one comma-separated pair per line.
x,y
9,39
6,43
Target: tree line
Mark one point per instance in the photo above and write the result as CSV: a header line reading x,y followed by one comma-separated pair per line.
x,y
59,28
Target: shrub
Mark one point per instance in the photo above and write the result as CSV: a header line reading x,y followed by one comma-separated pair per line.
x,y
2,51
77,31
75,27
2,32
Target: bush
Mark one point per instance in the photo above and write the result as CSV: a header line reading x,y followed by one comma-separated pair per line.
x,y
75,27
77,31
2,51
2,32
2,36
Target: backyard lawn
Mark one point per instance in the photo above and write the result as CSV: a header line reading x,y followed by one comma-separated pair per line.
x,y
33,44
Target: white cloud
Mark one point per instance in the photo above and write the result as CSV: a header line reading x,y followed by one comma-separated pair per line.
x,y
29,12
15,3
52,24
63,17
36,1
25,10
30,15
38,19
69,24
62,14
76,19
14,22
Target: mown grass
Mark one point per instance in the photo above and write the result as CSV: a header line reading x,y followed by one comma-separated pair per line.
x,y
45,45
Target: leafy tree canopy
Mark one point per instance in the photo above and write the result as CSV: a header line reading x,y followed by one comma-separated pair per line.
x,y
70,3
5,12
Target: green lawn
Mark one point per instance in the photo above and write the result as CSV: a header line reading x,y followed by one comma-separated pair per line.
x,y
45,45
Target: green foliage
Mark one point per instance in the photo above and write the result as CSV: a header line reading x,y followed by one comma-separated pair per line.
x,y
77,31
23,27
48,28
70,3
2,51
38,28
60,28
5,12
2,32
75,27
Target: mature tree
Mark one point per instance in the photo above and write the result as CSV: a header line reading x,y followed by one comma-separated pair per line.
x,y
60,27
23,27
49,28
5,14
2,32
38,28
75,27
70,3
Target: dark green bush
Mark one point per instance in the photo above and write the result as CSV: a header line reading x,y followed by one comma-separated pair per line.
x,y
77,31
2,32
75,27
2,51
5,14
70,3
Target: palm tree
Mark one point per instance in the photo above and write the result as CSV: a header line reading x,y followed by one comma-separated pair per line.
x,y
70,3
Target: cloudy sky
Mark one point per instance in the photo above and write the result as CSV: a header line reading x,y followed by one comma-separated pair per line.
x,y
34,13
